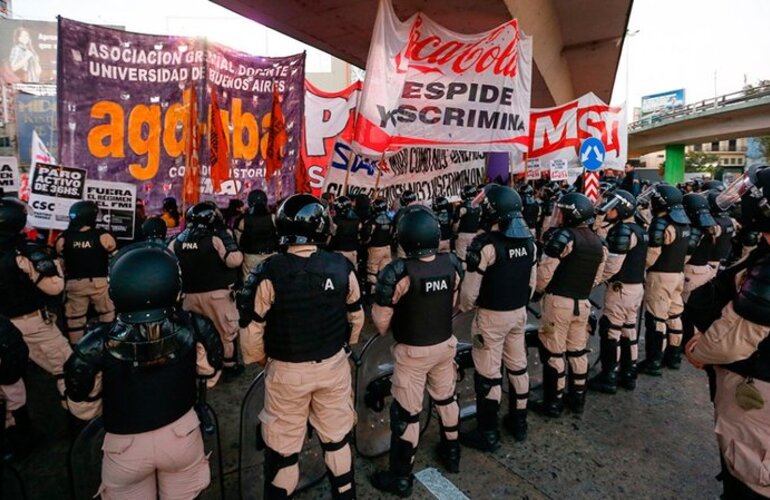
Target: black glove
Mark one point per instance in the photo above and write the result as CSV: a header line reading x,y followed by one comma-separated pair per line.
x,y
42,262
537,296
227,240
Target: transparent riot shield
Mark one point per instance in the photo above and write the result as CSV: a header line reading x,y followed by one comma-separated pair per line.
x,y
372,393
465,390
252,456
85,460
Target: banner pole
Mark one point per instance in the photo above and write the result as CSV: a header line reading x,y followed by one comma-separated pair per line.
x,y
377,179
347,173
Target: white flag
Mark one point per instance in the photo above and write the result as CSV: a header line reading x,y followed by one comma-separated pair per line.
x,y
40,153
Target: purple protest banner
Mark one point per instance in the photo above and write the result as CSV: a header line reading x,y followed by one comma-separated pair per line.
x,y
498,167
123,110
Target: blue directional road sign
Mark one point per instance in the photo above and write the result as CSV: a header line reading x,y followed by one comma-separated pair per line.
x,y
592,153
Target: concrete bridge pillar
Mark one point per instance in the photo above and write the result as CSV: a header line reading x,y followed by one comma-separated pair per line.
x,y
674,172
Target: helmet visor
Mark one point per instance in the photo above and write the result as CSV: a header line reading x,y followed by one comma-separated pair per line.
x,y
735,191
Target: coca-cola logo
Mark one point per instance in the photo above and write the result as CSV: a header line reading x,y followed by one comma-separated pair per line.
x,y
496,52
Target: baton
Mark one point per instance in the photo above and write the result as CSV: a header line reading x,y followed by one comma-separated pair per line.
x,y
201,408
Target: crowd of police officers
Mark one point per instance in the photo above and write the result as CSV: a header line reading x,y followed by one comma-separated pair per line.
x,y
162,319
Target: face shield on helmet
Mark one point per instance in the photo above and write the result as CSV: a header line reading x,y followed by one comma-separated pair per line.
x,y
745,184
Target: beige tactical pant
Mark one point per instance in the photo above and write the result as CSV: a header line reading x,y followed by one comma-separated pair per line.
x,y
621,308
663,300
167,463
379,257
564,332
743,435
297,393
15,396
498,339
433,366
219,307
80,294
461,244
696,276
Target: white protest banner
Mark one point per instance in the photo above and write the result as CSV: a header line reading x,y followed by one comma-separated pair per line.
x,y
431,87
117,202
533,169
573,174
558,169
9,174
39,152
53,190
427,172
558,132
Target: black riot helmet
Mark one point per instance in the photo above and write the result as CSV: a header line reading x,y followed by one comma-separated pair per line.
x,y
469,192
13,218
713,185
83,213
502,205
257,198
407,197
573,210
342,205
302,220
145,282
711,197
622,201
696,206
419,232
154,228
527,194
668,199
440,204
379,206
203,214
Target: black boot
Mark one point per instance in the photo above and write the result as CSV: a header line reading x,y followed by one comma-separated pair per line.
x,y
653,347
273,464
575,399
486,435
672,358
448,452
21,439
551,405
398,479
516,423
338,482
606,380
627,366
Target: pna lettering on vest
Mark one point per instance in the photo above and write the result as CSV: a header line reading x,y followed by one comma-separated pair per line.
x,y
517,252
438,285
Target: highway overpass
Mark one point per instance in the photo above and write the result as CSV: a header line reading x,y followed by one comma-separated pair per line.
x,y
576,43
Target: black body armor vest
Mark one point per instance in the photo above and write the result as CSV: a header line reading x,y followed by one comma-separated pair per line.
x,y
574,277
346,236
502,286
381,231
470,221
423,316
632,270
308,320
723,245
671,259
259,235
202,268
84,255
18,294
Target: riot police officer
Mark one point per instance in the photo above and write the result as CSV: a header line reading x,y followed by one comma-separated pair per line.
x,y
467,220
530,208
14,356
85,252
303,308
669,235
255,232
735,319
28,276
209,259
415,297
443,212
623,297
346,230
698,269
147,362
572,263
724,233
378,237
502,269
155,230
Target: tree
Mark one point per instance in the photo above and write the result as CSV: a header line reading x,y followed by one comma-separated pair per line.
x,y
700,161
764,146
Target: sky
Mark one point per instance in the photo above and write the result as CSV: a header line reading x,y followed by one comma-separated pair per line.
x,y
679,44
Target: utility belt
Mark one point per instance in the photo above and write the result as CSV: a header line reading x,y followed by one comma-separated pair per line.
x,y
40,313
575,303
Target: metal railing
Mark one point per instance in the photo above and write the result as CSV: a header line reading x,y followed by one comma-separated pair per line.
x,y
710,104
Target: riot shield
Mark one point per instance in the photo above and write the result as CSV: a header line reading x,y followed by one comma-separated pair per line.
x,y
252,456
85,460
465,390
372,398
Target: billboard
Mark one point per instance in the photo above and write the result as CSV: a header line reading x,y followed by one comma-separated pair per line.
x,y
27,51
663,101
35,113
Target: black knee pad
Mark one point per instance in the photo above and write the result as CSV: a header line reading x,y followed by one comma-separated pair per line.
x,y
274,462
400,418
484,385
